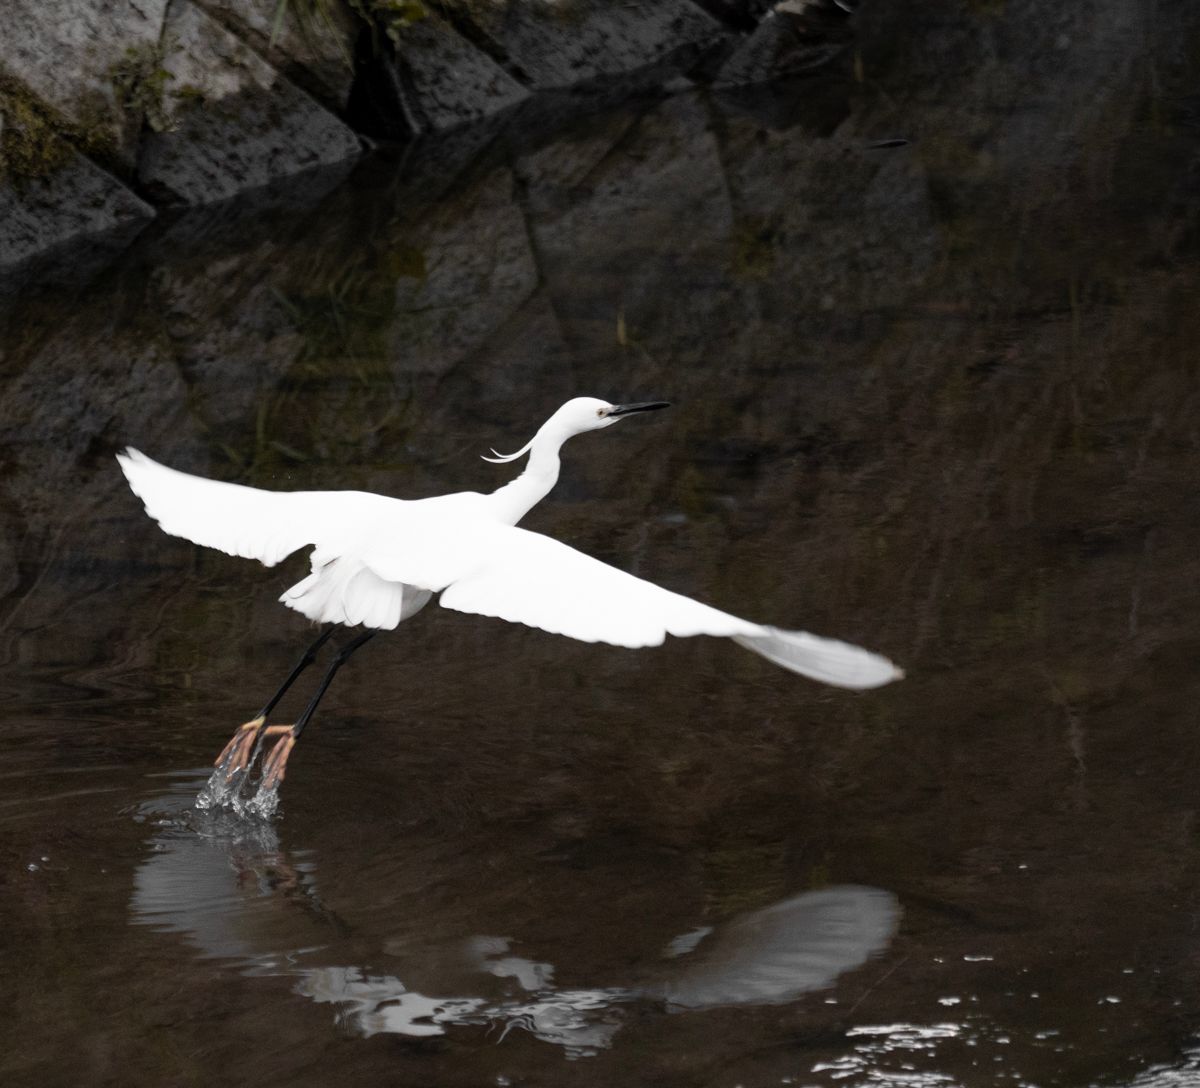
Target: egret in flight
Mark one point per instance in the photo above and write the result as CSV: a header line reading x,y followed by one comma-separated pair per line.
x,y
377,561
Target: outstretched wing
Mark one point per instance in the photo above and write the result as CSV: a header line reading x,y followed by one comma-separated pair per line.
x,y
527,578
245,521
369,548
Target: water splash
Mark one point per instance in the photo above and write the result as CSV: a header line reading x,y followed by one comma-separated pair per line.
x,y
264,803
227,789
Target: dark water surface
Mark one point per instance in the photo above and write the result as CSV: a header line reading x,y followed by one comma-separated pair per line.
x,y
941,398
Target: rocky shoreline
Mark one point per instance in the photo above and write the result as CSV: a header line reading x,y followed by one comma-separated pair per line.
x,y
113,109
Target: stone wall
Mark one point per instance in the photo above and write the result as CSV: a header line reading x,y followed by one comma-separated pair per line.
x,y
111,109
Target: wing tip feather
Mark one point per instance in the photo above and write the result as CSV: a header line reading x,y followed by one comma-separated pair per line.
x,y
841,664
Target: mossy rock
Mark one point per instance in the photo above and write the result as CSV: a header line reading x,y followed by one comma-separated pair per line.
x,y
30,143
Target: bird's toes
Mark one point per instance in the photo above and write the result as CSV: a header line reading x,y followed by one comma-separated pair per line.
x,y
275,766
238,749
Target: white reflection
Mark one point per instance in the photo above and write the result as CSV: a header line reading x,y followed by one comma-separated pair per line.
x,y
785,950
378,1004
875,1043
229,889
1182,1074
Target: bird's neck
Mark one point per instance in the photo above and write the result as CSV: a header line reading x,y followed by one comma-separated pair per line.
x,y
514,500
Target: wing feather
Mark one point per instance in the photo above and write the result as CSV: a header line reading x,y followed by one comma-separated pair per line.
x,y
245,521
369,548
532,579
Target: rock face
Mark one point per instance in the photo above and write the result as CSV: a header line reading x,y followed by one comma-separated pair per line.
x,y
444,81
230,121
476,270
315,52
554,44
92,63
190,102
68,196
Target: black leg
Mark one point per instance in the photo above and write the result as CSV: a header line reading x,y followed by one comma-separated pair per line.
x,y
343,655
242,750
310,655
275,764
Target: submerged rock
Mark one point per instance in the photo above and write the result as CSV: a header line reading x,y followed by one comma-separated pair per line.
x,y
471,269
230,121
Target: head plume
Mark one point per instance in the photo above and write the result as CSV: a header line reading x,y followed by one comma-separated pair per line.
x,y
504,458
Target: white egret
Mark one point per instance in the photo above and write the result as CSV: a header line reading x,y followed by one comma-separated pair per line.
x,y
377,561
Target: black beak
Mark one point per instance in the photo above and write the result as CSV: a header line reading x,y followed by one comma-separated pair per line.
x,y
629,409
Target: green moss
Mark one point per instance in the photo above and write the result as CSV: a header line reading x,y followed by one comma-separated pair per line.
x,y
404,262
36,139
317,16
402,12
30,140
189,96
753,249
139,81
95,133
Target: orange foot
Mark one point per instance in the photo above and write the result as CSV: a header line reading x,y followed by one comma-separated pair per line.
x,y
238,750
275,765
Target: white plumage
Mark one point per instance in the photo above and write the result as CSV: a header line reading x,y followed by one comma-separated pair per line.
x,y
377,560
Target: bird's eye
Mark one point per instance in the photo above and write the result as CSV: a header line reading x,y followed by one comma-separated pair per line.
x,y
599,411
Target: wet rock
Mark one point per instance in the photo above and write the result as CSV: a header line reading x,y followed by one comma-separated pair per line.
x,y
555,45
70,264
316,52
445,81
793,37
230,121
64,195
96,64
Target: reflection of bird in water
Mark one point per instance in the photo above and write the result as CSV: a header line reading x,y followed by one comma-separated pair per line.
x,y
229,888
764,957
782,951
378,560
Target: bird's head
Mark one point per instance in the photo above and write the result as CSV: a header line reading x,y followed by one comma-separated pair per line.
x,y
577,416
590,414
